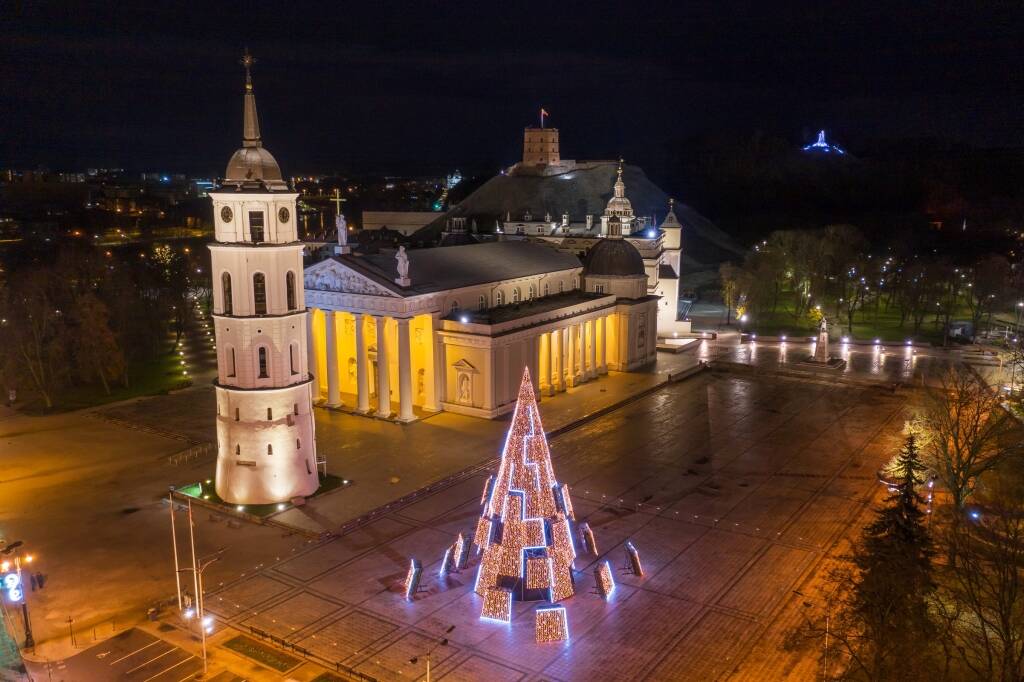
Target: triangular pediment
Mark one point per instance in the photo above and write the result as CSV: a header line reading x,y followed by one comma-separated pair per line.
x,y
330,275
465,366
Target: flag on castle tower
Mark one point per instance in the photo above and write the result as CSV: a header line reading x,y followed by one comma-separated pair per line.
x,y
543,113
524,528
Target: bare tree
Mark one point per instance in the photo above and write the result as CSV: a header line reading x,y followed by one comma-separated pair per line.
x,y
964,431
983,601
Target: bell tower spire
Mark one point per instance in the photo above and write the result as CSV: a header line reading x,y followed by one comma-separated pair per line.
x,y
250,121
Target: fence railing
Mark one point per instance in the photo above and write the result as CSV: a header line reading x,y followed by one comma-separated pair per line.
x,y
309,655
190,453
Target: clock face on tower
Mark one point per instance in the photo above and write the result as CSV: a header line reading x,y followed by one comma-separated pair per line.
x,y
283,214
225,214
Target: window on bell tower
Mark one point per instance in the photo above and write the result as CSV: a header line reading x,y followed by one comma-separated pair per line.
x,y
225,283
263,363
259,293
289,281
255,226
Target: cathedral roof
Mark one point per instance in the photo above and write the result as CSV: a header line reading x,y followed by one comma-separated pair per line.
x,y
615,258
453,267
671,221
581,192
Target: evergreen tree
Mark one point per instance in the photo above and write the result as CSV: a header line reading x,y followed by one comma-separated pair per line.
x,y
893,581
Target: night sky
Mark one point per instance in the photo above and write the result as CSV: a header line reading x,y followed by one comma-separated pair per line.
x,y
428,86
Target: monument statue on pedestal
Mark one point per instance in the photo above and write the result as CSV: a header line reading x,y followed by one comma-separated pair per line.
x,y
341,225
821,350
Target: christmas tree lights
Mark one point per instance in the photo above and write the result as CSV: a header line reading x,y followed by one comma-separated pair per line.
x,y
524,531
551,624
604,580
412,578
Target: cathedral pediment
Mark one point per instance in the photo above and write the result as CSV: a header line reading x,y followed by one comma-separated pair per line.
x,y
330,275
464,366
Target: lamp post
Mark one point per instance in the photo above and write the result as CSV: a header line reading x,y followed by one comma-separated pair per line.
x,y
204,626
14,586
441,642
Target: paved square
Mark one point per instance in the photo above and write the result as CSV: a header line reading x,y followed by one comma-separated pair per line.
x,y
733,489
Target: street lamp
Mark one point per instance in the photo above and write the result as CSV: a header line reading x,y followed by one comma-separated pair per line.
x,y
205,622
441,642
14,586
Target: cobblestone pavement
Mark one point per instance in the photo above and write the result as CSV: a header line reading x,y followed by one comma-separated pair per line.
x,y
733,489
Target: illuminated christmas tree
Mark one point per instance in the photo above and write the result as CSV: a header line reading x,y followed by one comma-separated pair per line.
x,y
524,529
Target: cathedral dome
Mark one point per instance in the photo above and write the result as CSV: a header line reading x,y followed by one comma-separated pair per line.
x,y
250,164
615,258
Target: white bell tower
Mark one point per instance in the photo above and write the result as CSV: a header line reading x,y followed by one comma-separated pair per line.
x,y
266,438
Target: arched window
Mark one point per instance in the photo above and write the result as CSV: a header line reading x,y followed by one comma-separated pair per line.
x,y
231,363
238,449
238,414
547,289
295,408
292,359
515,295
289,283
263,362
298,444
561,286
259,293
270,449
270,414
532,293
599,288
481,303
454,307
225,287
499,297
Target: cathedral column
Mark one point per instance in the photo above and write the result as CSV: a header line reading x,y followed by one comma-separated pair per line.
x,y
405,413
592,351
556,361
383,364
333,380
571,358
533,362
602,345
362,383
431,383
312,364
544,365
581,348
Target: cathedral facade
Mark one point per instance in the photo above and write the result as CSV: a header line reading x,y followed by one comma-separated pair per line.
x,y
455,331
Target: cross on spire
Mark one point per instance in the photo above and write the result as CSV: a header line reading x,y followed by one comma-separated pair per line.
x,y
250,121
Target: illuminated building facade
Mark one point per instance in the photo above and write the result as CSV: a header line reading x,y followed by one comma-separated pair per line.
x,y
451,328
266,448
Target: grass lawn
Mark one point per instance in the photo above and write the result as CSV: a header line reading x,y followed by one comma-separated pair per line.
x,y
150,378
884,325
205,490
